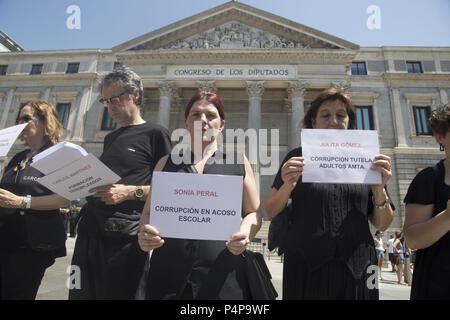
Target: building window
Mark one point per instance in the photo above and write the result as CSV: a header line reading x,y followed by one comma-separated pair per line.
x,y
107,122
63,112
117,65
36,69
414,67
359,69
364,118
73,67
3,70
421,115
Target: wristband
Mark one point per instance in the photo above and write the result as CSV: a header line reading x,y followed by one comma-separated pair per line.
x,y
28,206
383,206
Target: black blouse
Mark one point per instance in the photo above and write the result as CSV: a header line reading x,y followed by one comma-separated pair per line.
x,y
330,221
431,278
14,225
197,269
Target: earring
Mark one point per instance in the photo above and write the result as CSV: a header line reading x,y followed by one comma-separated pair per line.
x,y
441,147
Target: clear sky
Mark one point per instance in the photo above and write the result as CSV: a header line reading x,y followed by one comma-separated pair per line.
x,y
41,24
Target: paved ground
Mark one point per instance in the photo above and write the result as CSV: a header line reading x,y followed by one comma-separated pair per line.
x,y
54,284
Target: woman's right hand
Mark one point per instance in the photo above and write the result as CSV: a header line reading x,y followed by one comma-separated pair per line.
x,y
292,170
148,238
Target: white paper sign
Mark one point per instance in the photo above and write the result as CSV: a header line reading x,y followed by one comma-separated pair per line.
x,y
58,156
196,206
74,181
340,156
8,136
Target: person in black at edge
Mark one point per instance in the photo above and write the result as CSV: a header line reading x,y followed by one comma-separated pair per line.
x,y
202,269
32,233
329,245
106,250
427,218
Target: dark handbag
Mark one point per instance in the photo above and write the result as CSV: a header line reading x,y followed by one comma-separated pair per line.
x,y
114,224
258,276
278,230
45,230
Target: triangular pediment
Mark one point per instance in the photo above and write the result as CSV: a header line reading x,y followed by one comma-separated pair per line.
x,y
235,25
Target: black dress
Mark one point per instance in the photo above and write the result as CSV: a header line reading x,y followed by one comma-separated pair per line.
x,y
30,240
431,278
197,269
330,253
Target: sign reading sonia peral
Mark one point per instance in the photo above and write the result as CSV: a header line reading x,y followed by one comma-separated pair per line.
x,y
196,206
340,156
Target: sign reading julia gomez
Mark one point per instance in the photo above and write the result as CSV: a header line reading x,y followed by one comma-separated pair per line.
x,y
340,156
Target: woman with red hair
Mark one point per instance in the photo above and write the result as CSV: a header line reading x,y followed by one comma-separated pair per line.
x,y
202,269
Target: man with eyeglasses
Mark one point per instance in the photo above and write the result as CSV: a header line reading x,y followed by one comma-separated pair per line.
x,y
111,264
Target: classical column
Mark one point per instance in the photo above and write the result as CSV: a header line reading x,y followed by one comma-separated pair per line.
x,y
207,86
166,90
398,117
7,107
296,92
78,127
255,90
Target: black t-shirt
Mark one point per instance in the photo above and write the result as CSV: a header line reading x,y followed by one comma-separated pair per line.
x,y
22,182
431,278
132,153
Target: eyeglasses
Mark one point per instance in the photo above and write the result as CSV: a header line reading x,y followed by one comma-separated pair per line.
x,y
24,119
112,100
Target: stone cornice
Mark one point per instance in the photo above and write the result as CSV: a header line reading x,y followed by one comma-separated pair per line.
x,y
236,56
56,53
37,80
401,76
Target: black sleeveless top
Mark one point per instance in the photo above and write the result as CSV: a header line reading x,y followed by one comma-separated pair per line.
x,y
431,278
198,269
330,222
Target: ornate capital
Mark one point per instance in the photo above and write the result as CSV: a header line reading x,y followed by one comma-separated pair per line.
x,y
255,89
167,89
296,89
205,85
343,86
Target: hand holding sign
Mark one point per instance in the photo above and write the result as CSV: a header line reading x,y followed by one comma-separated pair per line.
x,y
292,170
382,164
149,239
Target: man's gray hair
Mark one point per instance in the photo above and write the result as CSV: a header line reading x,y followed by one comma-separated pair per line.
x,y
126,78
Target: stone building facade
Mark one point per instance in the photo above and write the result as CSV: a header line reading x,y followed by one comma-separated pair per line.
x,y
267,70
